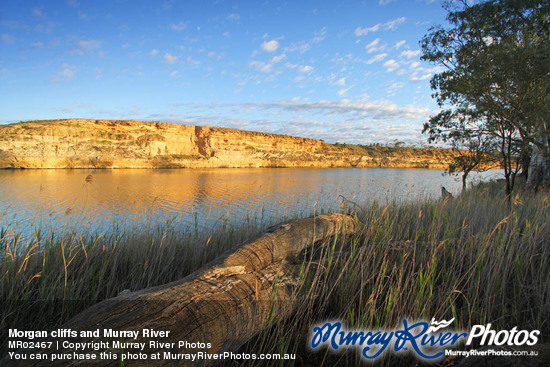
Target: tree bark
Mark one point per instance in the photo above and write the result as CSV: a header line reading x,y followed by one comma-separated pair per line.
x,y
225,304
539,167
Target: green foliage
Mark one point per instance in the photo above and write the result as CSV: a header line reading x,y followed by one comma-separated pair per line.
x,y
495,60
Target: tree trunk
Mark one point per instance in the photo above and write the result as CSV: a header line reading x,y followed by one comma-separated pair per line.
x,y
539,168
224,304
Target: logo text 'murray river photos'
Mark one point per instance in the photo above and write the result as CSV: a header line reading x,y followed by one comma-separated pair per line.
x,y
424,339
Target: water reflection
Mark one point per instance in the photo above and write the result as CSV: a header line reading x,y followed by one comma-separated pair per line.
x,y
66,200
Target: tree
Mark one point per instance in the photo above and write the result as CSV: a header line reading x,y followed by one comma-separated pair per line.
x,y
472,147
495,60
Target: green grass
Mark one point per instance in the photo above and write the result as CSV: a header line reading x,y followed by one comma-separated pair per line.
x,y
477,258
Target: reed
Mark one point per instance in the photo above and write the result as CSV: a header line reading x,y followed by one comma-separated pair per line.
x,y
478,258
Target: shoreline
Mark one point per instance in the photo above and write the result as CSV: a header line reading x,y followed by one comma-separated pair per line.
x,y
448,251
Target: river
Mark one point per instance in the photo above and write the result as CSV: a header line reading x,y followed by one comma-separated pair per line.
x,y
100,200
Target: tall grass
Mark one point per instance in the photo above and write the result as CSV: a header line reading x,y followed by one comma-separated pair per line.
x,y
56,278
477,258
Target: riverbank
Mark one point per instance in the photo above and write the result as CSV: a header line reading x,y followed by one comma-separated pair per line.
x,y
475,258
80,143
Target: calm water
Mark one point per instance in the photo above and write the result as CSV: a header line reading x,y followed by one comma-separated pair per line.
x,y
63,200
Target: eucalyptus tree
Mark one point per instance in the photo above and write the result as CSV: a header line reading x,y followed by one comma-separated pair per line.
x,y
473,147
495,59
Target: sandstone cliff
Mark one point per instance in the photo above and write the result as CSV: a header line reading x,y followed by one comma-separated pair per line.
x,y
78,143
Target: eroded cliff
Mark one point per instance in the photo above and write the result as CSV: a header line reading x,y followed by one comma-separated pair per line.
x,y
79,143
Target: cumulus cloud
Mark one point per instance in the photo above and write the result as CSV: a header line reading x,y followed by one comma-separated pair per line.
x,y
66,73
305,69
391,65
154,52
37,45
377,58
389,25
234,17
37,12
340,82
89,45
270,46
410,54
305,45
343,92
378,110
260,66
6,38
400,44
397,85
384,2
178,27
169,58
277,59
416,78
374,46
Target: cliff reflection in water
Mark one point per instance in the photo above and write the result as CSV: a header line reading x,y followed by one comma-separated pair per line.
x,y
67,200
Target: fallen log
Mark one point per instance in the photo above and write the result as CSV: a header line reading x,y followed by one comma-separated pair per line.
x,y
214,310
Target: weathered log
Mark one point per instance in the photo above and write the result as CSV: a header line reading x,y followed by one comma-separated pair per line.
x,y
222,305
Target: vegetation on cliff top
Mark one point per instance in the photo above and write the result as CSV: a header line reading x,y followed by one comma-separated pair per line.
x,y
81,143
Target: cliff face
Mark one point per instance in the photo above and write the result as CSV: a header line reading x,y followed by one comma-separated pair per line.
x,y
81,143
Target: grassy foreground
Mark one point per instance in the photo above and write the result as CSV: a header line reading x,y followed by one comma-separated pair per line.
x,y
476,258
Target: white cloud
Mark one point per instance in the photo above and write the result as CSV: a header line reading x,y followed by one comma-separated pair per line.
x,y
400,44
234,17
46,27
260,66
377,110
377,58
415,78
305,45
375,46
392,24
277,59
384,2
340,82
178,27
6,38
154,52
391,65
397,85
410,54
88,45
37,45
37,12
169,58
389,25
270,46
305,69
66,73
343,92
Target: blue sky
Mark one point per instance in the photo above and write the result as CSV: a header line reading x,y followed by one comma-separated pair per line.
x,y
346,71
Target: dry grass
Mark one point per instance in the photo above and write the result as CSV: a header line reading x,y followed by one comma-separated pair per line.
x,y
476,258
